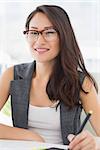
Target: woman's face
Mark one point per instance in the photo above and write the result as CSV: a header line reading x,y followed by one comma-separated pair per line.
x,y
44,45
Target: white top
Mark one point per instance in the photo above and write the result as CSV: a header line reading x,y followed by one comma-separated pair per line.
x,y
46,122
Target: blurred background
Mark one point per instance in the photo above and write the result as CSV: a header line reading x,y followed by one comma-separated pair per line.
x,y
85,19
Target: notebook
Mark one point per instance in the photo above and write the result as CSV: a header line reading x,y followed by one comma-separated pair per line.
x,y
29,145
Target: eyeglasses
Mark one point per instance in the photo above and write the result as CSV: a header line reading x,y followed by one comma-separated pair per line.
x,y
48,34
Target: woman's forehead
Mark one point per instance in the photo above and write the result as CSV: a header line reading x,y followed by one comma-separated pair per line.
x,y
40,20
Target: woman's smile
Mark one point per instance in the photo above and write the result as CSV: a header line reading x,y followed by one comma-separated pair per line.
x,y
41,50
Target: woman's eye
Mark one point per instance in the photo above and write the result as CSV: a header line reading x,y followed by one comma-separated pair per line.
x,y
33,33
50,32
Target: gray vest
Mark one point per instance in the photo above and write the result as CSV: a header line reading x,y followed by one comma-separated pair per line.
x,y
19,91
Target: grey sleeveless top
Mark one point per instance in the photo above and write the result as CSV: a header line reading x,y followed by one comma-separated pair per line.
x,y
19,91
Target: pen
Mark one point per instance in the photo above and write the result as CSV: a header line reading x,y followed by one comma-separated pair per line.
x,y
84,122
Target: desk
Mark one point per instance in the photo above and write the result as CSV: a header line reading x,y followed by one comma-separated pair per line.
x,y
27,145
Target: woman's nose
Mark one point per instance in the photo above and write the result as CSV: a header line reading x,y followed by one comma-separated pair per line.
x,y
41,38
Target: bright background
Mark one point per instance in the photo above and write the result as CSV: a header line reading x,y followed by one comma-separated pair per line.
x,y
85,19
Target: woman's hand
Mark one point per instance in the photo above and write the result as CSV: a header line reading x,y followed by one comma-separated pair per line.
x,y
83,141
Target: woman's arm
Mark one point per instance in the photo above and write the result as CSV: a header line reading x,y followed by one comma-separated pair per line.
x,y
91,101
5,80
85,140
7,132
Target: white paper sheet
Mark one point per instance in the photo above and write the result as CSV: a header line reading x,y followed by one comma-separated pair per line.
x,y
27,145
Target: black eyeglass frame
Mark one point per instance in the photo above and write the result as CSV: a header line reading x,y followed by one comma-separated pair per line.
x,y
40,32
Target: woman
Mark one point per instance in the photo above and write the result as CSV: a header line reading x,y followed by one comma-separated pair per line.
x,y
47,95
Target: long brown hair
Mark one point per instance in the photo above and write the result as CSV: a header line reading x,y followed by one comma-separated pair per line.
x,y
64,82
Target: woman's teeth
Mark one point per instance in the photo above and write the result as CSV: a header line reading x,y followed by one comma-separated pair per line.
x,y
41,49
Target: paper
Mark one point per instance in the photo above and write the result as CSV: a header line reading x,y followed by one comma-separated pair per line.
x,y
28,145
49,145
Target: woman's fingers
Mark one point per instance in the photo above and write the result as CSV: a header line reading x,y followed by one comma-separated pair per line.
x,y
70,137
84,145
83,141
77,139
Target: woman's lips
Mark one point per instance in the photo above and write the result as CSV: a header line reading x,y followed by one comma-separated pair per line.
x,y
41,50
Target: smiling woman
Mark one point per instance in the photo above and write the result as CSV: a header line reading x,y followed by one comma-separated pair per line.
x,y
49,34
16,48
48,94
43,39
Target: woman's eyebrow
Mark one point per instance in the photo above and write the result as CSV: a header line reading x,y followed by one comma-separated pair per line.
x,y
47,27
34,27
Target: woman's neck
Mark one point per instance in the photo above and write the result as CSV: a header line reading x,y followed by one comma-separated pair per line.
x,y
43,70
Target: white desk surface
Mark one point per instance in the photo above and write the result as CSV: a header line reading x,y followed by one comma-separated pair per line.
x,y
27,145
